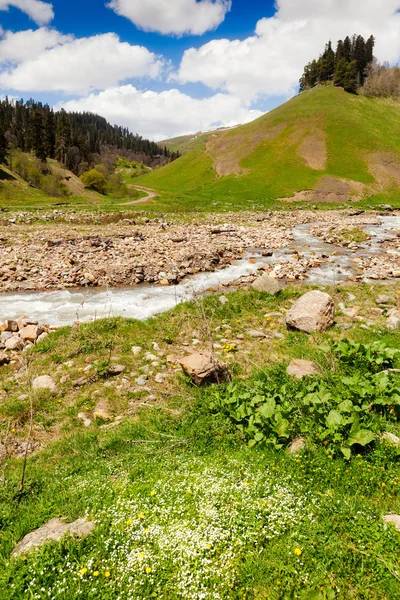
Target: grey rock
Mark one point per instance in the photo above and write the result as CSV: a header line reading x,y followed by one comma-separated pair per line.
x,y
302,368
383,299
14,343
256,333
393,322
394,519
115,370
55,530
315,311
223,300
5,336
44,382
159,378
267,284
142,380
136,350
390,438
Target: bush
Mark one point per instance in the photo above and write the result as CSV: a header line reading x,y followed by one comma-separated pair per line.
x,y
344,411
94,180
38,174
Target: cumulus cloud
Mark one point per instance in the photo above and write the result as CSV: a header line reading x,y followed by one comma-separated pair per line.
x,y
270,62
26,45
40,12
166,114
79,65
173,17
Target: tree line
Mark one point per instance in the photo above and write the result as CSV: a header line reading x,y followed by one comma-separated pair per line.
x,y
346,67
75,139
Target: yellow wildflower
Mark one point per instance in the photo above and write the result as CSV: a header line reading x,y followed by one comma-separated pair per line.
x,y
148,570
96,573
152,493
141,555
141,516
298,551
107,574
83,571
129,522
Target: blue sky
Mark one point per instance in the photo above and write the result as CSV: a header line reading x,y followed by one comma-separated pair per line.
x,y
168,67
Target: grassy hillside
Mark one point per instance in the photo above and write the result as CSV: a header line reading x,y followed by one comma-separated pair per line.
x,y
324,146
192,141
59,188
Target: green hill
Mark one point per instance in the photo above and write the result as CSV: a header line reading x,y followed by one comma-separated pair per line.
x,y
323,146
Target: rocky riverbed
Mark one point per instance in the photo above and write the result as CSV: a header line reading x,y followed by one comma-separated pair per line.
x,y
68,251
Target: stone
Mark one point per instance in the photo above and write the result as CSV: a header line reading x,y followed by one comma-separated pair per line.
x,y
394,519
115,370
24,321
44,382
42,337
296,446
392,323
267,284
223,300
30,333
159,378
5,336
86,422
14,343
53,530
383,299
4,359
390,438
150,357
302,368
204,368
142,380
315,311
9,325
136,350
256,333
79,382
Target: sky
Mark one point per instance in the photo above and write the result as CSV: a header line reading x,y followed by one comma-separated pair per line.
x,y
165,68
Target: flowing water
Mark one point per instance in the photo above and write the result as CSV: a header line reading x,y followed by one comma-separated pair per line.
x,y
63,307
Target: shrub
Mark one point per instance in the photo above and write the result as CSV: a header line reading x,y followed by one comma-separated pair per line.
x,y
94,180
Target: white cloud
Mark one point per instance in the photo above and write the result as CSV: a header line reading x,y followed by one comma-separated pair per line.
x,y
80,65
40,12
166,114
270,62
175,17
26,45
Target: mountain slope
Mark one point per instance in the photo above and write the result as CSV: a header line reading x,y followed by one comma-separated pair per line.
x,y
322,146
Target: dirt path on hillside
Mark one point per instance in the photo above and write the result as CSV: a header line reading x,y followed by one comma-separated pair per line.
x,y
150,195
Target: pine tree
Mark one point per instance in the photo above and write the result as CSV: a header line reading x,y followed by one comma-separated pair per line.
x,y
340,72
350,82
3,147
369,50
63,137
50,132
339,52
38,135
347,49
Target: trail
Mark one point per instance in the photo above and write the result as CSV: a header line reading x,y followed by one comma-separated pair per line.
x,y
150,194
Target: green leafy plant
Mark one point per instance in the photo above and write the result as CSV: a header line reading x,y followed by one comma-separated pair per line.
x,y
342,411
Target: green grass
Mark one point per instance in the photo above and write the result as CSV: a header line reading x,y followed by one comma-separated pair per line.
x,y
183,507
354,126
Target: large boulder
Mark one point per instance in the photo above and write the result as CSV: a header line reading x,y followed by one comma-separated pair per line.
x,y
55,529
315,311
204,368
302,368
267,284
